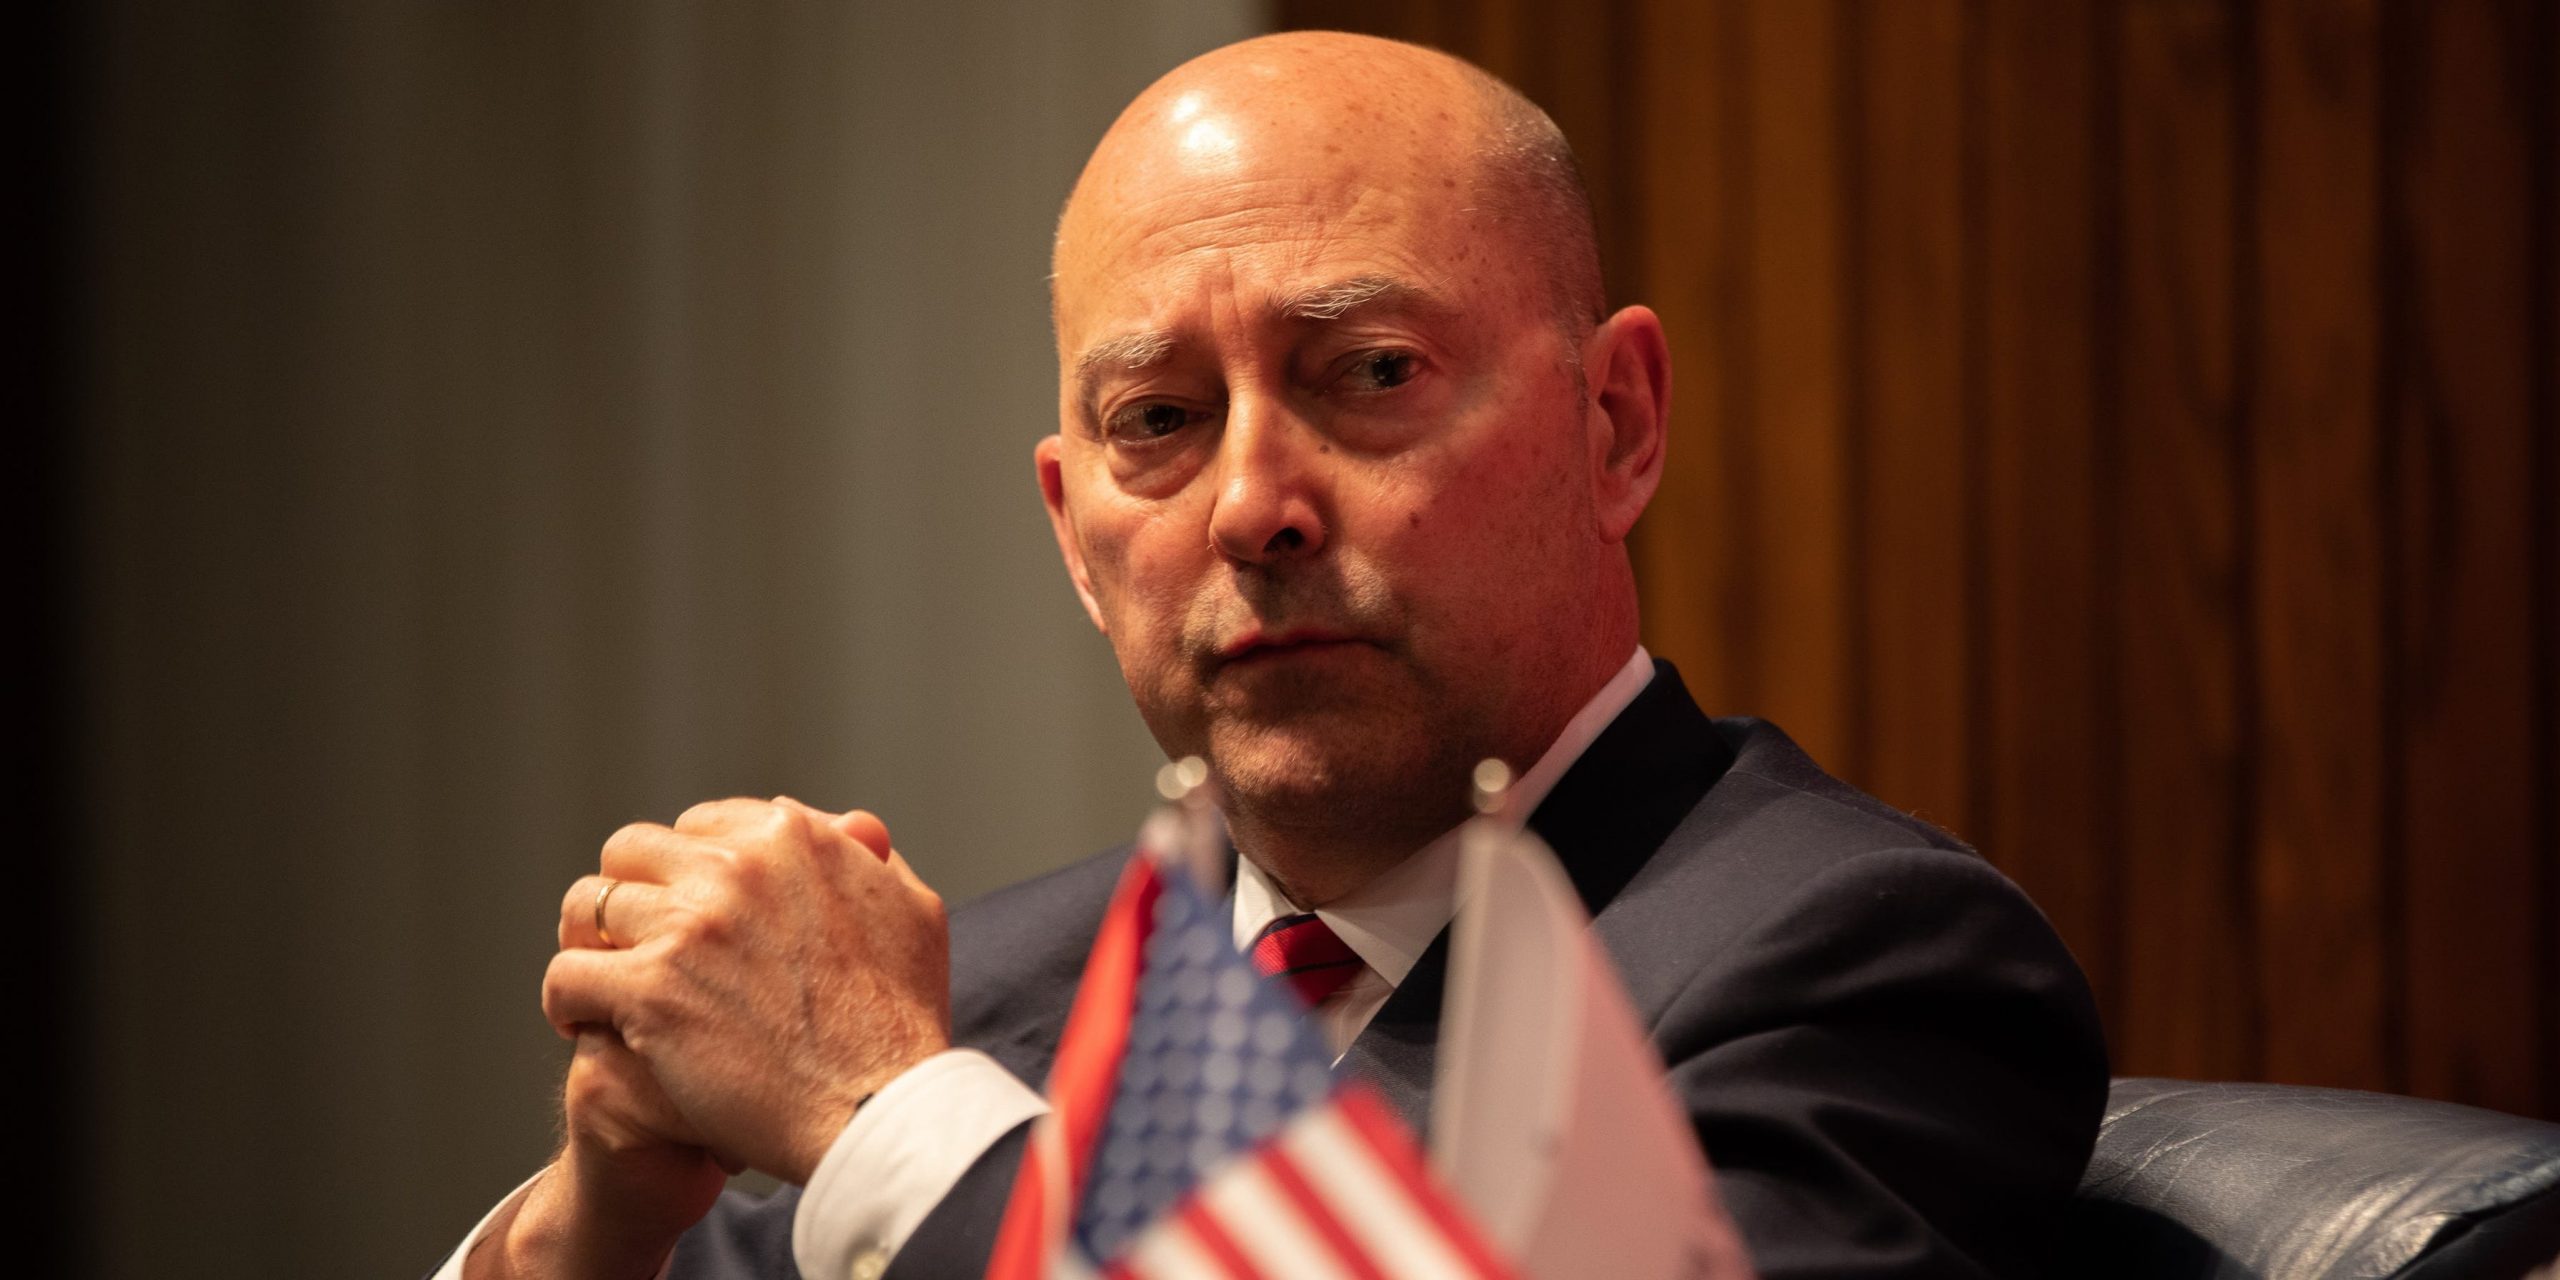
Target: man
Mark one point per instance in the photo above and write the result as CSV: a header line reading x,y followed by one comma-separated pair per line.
x,y
1349,449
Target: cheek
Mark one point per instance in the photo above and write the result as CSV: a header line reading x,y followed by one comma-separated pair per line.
x,y
1476,531
1143,570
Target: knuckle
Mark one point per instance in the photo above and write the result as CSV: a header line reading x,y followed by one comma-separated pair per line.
x,y
701,923
780,826
746,870
629,836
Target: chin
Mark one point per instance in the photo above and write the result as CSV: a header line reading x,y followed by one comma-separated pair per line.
x,y
1326,771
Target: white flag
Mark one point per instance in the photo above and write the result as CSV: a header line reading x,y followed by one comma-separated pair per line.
x,y
1551,1118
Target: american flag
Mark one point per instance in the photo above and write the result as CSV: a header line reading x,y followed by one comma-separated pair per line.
x,y
1198,1130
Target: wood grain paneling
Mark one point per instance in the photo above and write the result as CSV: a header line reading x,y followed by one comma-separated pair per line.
x,y
2186,1005
2037,800
1694,230
1743,240
2317,567
2544,272
1910,421
2459,180
1791,458
2123,430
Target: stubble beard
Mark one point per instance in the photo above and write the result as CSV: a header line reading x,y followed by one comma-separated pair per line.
x,y
1357,758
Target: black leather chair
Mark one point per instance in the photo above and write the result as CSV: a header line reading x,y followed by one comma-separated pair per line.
x,y
2275,1182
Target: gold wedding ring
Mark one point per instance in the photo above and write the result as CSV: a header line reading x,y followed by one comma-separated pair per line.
x,y
604,891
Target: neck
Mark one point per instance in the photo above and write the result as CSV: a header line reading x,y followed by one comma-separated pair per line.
x,y
1317,866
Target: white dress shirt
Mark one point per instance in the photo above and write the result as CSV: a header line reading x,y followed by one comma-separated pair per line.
x,y
907,1146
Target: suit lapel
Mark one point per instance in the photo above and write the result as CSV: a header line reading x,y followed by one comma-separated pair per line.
x,y
1605,817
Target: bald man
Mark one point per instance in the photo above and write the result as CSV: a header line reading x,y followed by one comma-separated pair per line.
x,y
1349,447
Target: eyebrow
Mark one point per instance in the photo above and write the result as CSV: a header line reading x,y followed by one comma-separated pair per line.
x,y
1342,297
1319,304
1127,351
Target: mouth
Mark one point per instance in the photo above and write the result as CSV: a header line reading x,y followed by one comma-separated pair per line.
x,y
1255,647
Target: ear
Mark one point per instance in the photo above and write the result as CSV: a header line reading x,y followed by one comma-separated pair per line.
x,y
1627,366
1053,491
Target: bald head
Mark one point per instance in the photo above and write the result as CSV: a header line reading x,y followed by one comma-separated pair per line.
x,y
1345,446
1375,112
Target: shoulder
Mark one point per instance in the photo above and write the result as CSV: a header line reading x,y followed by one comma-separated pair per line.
x,y
1793,880
1775,790
1886,1048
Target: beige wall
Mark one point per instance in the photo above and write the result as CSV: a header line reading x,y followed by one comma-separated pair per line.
x,y
503,422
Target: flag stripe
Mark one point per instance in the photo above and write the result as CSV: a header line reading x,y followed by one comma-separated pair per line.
x,y
1384,1137
1311,1204
1202,1228
1266,1225
1087,1068
1085,1072
1373,1203
1166,1251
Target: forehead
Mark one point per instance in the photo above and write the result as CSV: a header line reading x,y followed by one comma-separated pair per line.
x,y
1251,213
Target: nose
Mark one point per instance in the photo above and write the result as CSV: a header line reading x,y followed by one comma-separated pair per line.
x,y
1269,506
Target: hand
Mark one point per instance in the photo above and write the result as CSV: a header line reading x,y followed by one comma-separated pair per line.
x,y
774,966
630,1178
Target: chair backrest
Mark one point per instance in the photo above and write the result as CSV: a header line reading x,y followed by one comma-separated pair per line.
x,y
2275,1182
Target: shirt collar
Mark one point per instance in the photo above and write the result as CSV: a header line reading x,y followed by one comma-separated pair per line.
x,y
1393,918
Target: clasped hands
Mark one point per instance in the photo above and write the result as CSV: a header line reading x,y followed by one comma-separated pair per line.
x,y
771,966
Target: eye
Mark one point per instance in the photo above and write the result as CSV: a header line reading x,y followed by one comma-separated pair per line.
x,y
1384,370
1148,420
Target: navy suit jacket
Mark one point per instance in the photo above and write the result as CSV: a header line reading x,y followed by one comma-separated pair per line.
x,y
1892,1062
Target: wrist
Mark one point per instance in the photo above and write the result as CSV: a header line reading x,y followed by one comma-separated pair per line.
x,y
565,1228
828,1123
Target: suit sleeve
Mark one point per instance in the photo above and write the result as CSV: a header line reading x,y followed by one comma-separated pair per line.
x,y
956,1239
1896,1071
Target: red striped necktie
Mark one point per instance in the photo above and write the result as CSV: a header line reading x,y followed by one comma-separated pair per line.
x,y
1303,951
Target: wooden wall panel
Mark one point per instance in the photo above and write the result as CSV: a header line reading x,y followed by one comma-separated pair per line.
x,y
2316,560
2459,170
2124,431
2187,1000
1743,237
1792,466
1910,425
2037,809
1694,232
2544,273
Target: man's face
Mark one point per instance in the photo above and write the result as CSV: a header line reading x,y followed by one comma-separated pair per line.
x,y
1322,471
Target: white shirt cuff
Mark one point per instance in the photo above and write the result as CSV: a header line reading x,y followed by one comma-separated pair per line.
x,y
903,1152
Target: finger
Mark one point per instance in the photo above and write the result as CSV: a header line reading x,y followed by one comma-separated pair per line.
x,y
647,851
606,912
719,817
860,826
584,988
610,1086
